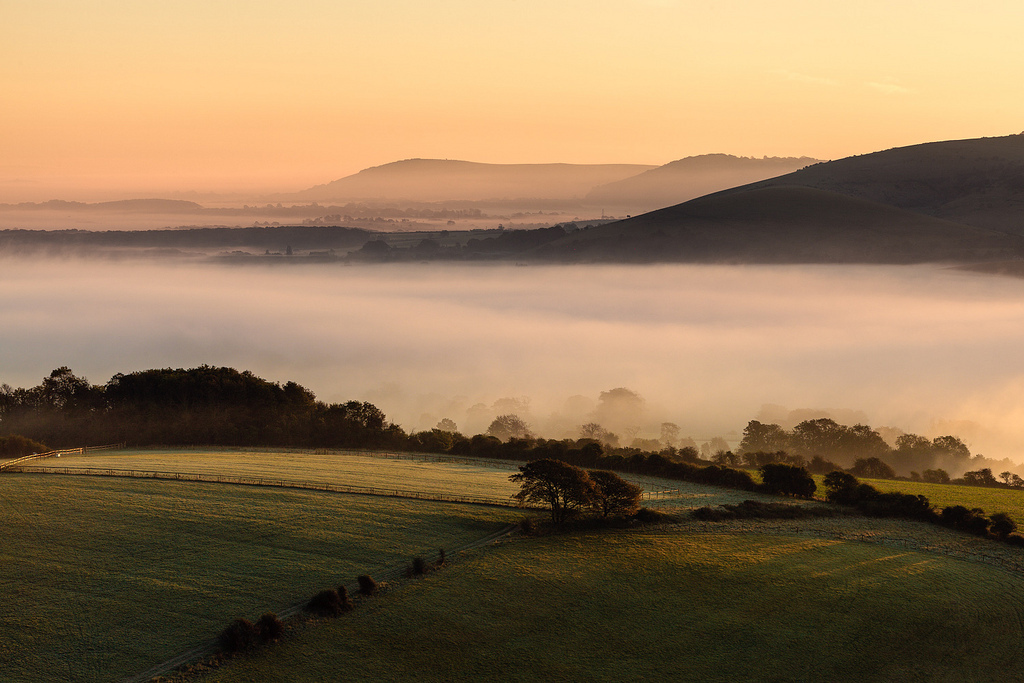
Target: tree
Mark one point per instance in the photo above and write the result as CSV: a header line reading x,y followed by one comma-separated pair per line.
x,y
614,495
766,438
841,488
594,431
447,425
982,477
669,433
1002,525
936,476
564,488
509,426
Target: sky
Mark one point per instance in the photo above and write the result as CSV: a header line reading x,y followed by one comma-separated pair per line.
x,y
108,98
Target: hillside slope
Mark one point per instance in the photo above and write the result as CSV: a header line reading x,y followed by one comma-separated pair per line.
x,y
689,178
783,224
978,182
443,179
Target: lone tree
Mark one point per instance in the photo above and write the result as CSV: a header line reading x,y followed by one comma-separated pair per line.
x,y
614,495
562,487
779,478
509,426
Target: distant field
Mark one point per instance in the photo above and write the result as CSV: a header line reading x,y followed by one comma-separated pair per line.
x,y
423,473
1010,501
677,605
103,578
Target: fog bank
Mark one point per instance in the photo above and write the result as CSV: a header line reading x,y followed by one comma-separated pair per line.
x,y
922,348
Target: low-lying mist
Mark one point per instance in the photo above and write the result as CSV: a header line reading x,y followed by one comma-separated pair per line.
x,y
925,349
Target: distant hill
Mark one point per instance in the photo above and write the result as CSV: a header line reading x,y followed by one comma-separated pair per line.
x,y
125,205
689,178
783,224
441,180
978,182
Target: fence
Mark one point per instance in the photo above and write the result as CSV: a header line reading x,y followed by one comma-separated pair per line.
x,y
56,454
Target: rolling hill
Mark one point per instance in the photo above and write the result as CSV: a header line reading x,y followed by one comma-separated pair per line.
x,y
689,178
447,180
956,201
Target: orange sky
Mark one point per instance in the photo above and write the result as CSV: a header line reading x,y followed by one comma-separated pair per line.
x,y
103,98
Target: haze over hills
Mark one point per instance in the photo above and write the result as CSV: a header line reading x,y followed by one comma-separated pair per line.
x,y
689,178
433,180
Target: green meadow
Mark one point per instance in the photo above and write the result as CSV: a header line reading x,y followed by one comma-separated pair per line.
x,y
695,603
991,500
104,578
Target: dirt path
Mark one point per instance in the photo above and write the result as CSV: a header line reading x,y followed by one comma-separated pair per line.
x,y
210,646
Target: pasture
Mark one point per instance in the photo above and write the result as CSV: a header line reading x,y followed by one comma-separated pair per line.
x,y
991,500
420,473
105,577
698,603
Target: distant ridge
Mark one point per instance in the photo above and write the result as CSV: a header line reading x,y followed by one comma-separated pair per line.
x,y
691,177
443,179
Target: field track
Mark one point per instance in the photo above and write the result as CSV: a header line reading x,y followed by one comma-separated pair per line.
x,y
210,646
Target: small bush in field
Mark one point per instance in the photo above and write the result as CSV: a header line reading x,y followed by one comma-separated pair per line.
x,y
442,559
326,603
526,526
419,566
367,586
269,628
239,635
343,597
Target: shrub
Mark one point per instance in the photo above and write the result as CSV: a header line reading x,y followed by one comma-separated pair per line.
x,y
972,521
344,599
649,516
269,628
442,559
239,635
367,586
419,566
841,488
1002,525
326,603
897,505
710,514
526,526
778,478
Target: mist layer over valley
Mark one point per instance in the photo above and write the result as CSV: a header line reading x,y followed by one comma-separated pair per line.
x,y
922,348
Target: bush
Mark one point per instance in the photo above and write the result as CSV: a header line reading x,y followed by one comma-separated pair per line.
x,y
1002,525
649,516
269,628
527,527
710,514
972,521
897,505
239,635
778,478
419,566
841,488
326,603
442,559
16,446
344,599
367,586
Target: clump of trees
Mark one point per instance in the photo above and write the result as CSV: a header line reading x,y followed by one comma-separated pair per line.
x,y
17,446
567,490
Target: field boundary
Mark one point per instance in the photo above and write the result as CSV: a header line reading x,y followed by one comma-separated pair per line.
x,y
272,482
389,574
82,450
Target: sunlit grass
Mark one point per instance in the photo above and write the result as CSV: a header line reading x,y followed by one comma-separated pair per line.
x,y
674,605
103,578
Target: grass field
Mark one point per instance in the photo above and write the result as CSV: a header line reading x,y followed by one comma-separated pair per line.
x,y
426,474
1010,501
103,578
702,603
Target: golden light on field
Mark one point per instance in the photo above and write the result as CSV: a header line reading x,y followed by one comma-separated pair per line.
x,y
110,94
